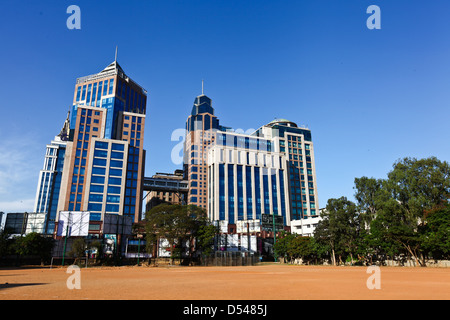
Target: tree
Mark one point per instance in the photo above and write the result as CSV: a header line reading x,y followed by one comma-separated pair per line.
x,y
175,223
205,238
281,247
299,247
396,207
419,185
339,228
78,248
34,244
5,243
435,232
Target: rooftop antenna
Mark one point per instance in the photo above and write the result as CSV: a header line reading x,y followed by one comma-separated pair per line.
x,y
202,86
115,58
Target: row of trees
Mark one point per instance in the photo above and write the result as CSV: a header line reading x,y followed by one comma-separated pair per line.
x,y
405,216
33,244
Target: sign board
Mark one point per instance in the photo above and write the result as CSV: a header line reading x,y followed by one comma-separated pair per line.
x,y
267,221
245,245
221,242
244,226
73,223
36,222
232,242
117,224
222,224
16,222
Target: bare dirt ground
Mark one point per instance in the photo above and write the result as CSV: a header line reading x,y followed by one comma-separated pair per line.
x,y
261,282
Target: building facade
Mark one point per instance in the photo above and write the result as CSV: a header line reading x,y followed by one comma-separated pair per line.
x,y
50,178
241,177
270,172
165,189
201,128
297,146
97,165
247,179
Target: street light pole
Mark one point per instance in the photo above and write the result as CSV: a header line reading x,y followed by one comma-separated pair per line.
x,y
274,238
65,240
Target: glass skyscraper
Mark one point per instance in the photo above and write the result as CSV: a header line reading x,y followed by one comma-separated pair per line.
x,y
201,128
49,184
103,156
240,177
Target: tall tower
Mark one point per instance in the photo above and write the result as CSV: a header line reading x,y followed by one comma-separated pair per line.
x,y
201,127
104,165
297,145
49,184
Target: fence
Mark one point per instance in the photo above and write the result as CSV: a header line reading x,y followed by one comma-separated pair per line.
x,y
230,258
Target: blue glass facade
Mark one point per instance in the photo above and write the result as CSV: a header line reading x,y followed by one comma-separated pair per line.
x,y
106,187
231,215
50,184
249,190
221,192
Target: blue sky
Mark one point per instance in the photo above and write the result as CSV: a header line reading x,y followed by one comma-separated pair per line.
x,y
370,97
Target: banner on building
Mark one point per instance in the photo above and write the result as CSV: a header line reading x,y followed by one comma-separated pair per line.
x,y
117,224
73,223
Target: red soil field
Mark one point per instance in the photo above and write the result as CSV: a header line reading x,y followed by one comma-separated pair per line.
x,y
260,282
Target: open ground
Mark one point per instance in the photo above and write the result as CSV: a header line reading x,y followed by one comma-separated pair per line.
x,y
260,282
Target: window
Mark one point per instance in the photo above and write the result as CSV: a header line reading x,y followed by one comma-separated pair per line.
x,y
78,93
116,181
96,188
101,145
117,147
116,155
98,179
115,172
112,189
98,170
112,208
116,163
111,85
95,207
100,153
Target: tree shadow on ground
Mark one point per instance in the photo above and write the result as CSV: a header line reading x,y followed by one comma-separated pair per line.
x,y
14,285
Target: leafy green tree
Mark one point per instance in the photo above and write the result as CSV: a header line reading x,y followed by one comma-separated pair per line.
x,y
299,247
5,243
435,232
176,223
395,207
339,228
205,238
419,185
78,248
281,246
34,244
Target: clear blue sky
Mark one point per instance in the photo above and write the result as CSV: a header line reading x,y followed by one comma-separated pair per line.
x,y
370,97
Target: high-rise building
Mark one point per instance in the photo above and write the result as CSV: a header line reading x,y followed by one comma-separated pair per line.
x,y
247,179
50,177
104,157
270,172
296,144
201,128
250,178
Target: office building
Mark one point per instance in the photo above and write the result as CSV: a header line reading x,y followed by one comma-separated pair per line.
x,y
247,179
296,144
49,184
270,172
104,156
201,128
